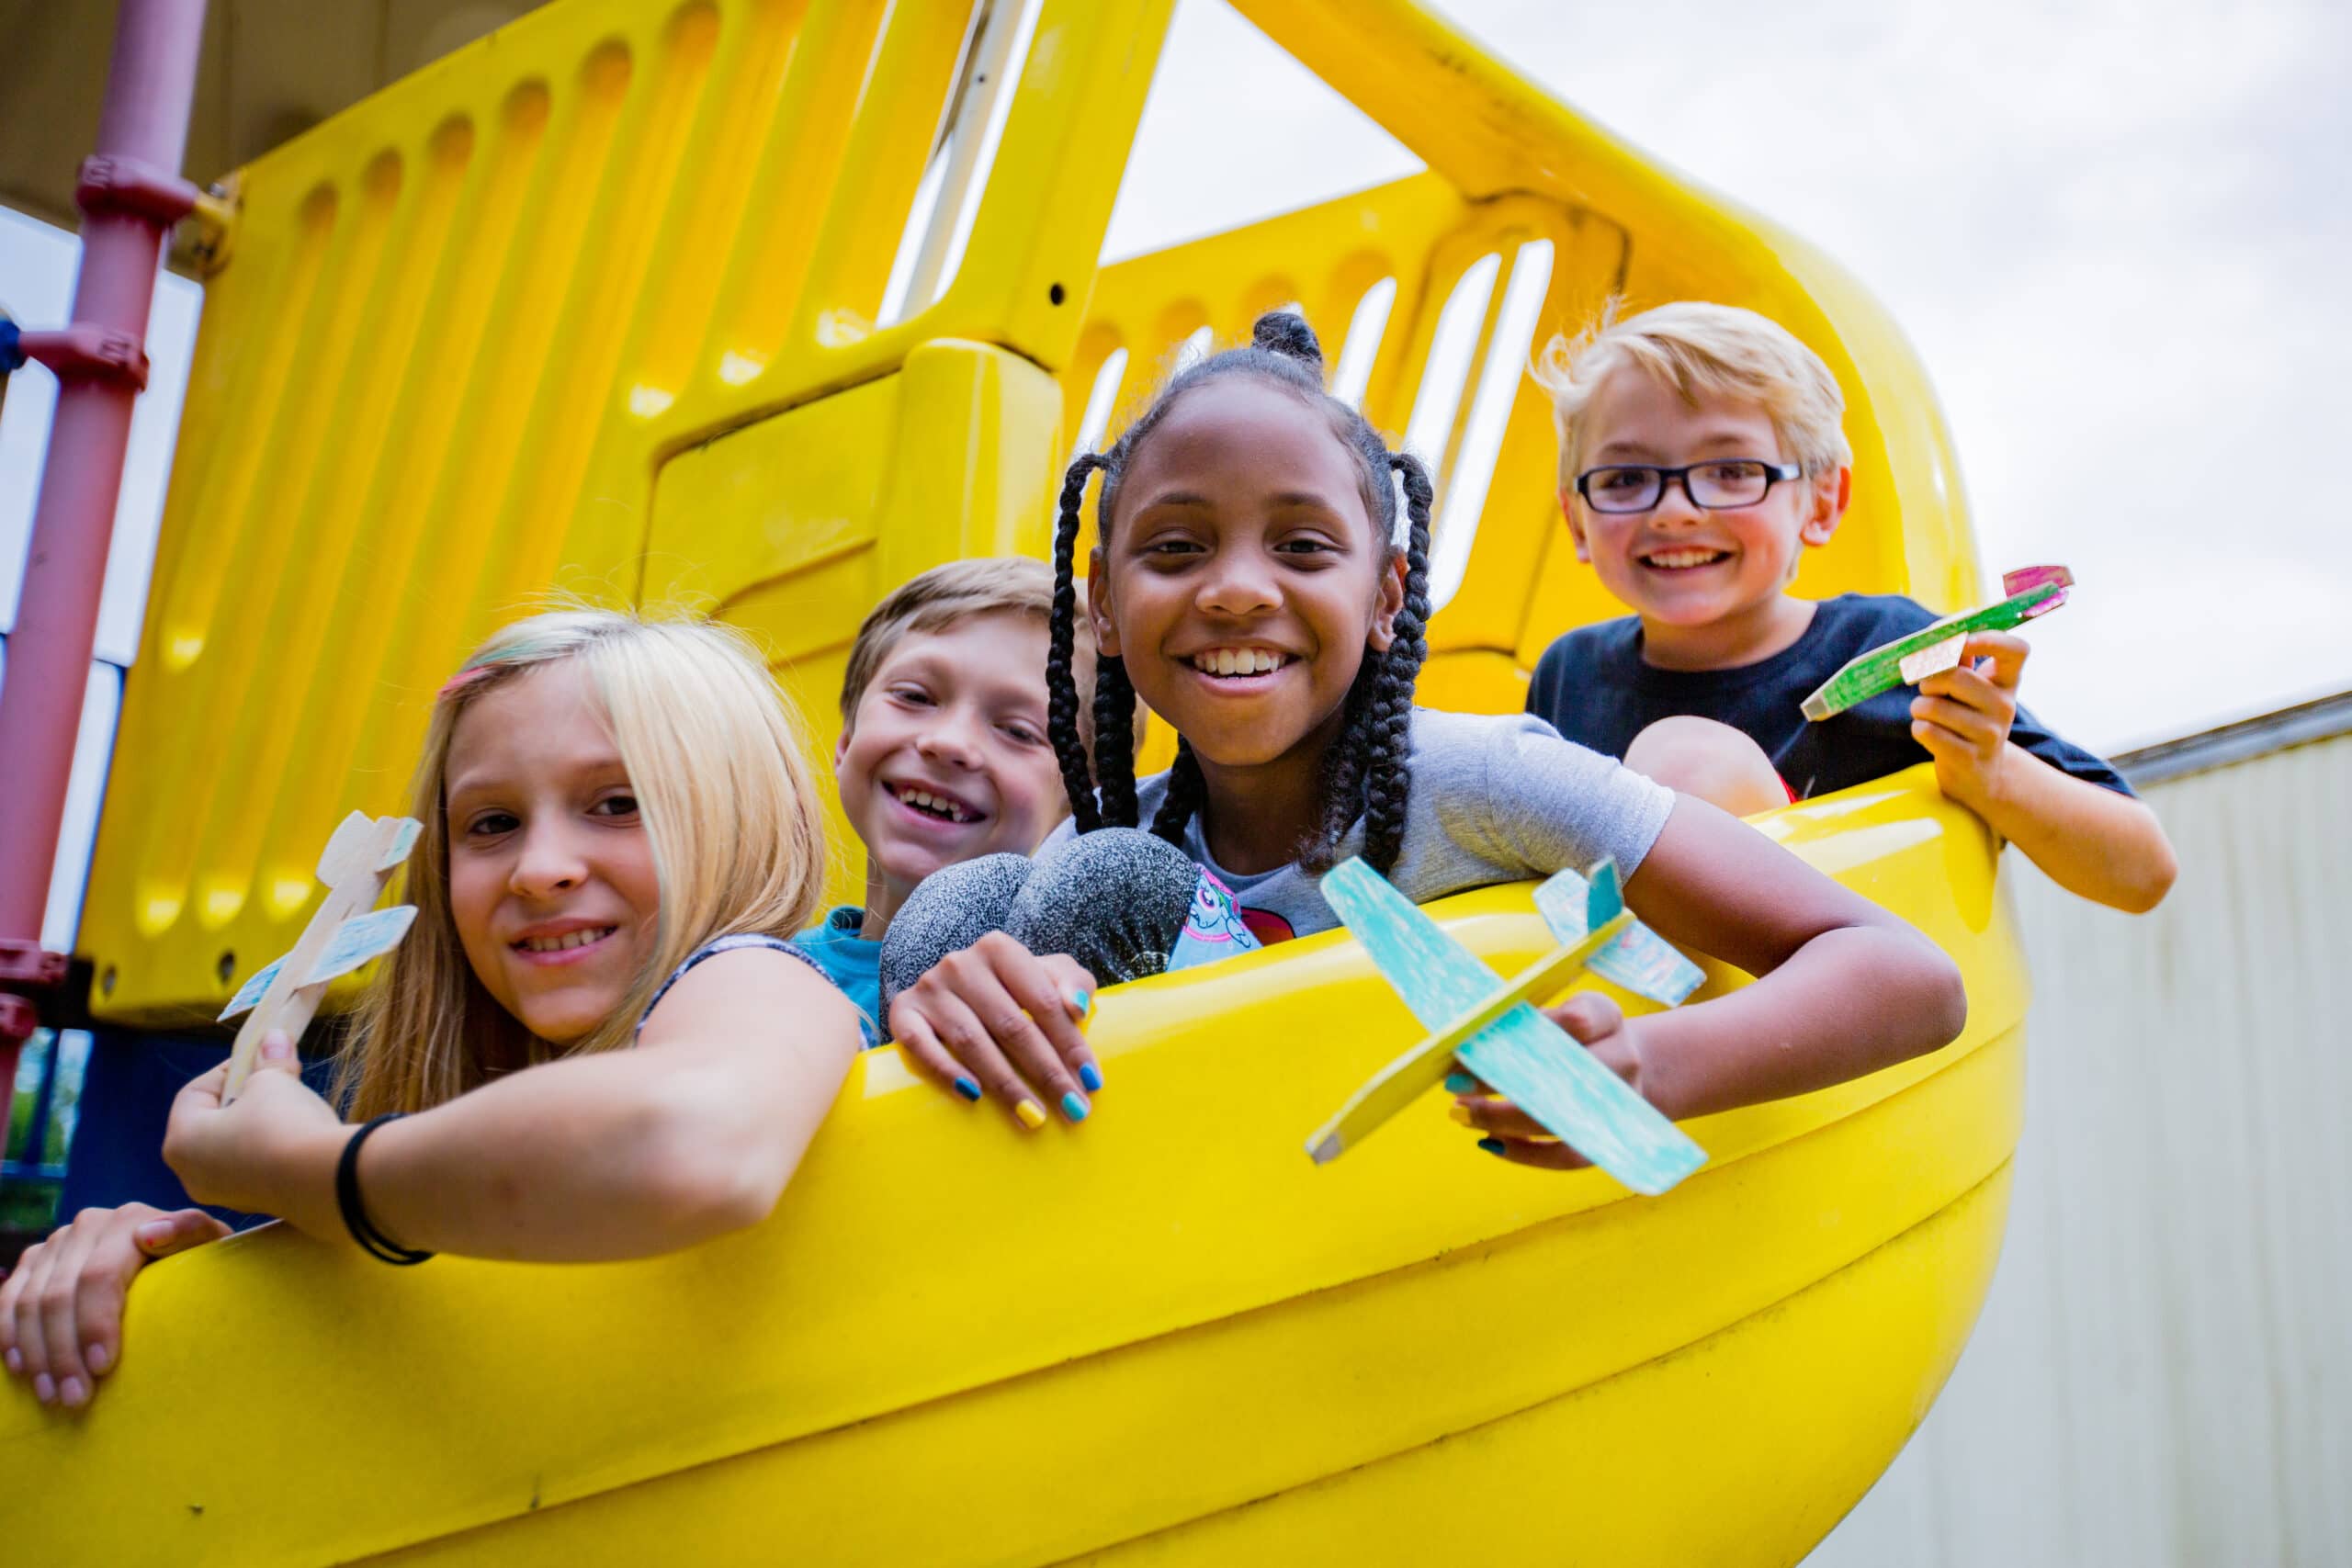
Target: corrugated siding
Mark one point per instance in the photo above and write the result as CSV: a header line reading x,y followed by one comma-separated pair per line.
x,y
2162,1374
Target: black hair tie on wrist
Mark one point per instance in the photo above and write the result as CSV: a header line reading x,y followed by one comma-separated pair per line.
x,y
355,1213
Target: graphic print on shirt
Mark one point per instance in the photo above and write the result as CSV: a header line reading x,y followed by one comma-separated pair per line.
x,y
1267,927
1214,927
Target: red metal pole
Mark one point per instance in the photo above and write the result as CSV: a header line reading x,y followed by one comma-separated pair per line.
x,y
131,194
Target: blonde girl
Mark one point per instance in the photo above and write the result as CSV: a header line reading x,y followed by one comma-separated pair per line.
x,y
620,836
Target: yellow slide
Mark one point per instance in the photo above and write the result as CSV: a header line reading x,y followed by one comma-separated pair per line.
x,y
607,302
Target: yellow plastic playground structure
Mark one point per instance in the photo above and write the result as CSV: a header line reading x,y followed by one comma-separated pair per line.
x,y
616,301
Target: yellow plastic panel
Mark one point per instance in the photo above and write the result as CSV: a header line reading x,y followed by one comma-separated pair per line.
x,y
1743,1449
792,529
1071,1328
463,324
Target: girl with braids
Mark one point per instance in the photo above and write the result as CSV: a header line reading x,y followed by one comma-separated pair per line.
x,y
1248,584
596,1043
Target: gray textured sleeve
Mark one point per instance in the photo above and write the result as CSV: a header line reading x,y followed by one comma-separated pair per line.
x,y
1543,804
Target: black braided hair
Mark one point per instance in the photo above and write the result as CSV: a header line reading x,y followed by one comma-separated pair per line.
x,y
1186,790
1115,740
1367,772
1388,778
1061,643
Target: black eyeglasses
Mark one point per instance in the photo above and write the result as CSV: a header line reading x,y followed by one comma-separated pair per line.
x,y
1726,481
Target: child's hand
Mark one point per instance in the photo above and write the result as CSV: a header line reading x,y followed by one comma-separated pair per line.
x,y
61,1310
996,1018
1962,717
263,1153
1604,1030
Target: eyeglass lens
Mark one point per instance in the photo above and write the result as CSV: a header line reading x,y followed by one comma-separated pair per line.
x,y
1636,488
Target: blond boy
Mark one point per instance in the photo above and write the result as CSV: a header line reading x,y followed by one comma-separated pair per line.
x,y
1701,453
944,755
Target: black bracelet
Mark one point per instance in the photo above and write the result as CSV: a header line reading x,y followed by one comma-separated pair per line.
x,y
355,1213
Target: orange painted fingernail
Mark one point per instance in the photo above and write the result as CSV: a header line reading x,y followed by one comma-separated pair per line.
x,y
1460,1113
1032,1115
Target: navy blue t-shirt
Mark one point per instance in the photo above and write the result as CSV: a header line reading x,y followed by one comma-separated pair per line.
x,y
1592,687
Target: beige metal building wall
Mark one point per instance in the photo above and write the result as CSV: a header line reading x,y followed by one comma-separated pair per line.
x,y
2162,1374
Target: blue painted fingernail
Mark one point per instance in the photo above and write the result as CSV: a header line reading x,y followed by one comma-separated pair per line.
x,y
967,1088
1083,1000
1492,1146
1074,1106
1460,1083
1090,1075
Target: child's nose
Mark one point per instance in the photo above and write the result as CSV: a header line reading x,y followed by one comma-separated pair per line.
x,y
1674,506
550,863
1240,585
954,739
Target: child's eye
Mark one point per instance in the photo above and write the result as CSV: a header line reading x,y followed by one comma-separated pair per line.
x,y
489,824
1025,734
616,805
915,696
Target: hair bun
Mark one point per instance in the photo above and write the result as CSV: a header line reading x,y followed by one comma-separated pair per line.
x,y
1286,333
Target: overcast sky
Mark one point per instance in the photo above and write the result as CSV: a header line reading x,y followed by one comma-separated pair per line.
x,y
2118,235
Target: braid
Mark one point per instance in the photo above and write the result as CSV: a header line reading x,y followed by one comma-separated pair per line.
x,y
1388,779
1061,681
1115,739
1186,789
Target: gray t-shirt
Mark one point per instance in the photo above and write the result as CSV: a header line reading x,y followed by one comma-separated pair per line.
x,y
1495,798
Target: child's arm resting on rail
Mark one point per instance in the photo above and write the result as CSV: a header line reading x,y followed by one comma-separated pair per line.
x,y
61,1307
621,1153
2093,841
1842,986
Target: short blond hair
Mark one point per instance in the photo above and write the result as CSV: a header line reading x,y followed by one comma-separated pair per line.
x,y
719,764
949,595
1701,349
944,597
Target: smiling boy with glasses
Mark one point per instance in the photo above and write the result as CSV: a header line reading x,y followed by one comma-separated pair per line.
x,y
1700,451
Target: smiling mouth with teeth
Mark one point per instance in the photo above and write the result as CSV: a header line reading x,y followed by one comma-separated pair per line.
x,y
1238,661
931,805
1682,560
581,938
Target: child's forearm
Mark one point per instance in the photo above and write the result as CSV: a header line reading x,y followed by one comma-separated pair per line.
x,y
624,1154
2094,842
1849,1002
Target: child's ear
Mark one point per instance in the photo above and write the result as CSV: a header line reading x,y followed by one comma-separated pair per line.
x,y
1576,524
841,746
1827,498
1099,608
1385,608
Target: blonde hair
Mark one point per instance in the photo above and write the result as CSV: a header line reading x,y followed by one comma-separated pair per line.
x,y
947,596
1699,349
720,767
